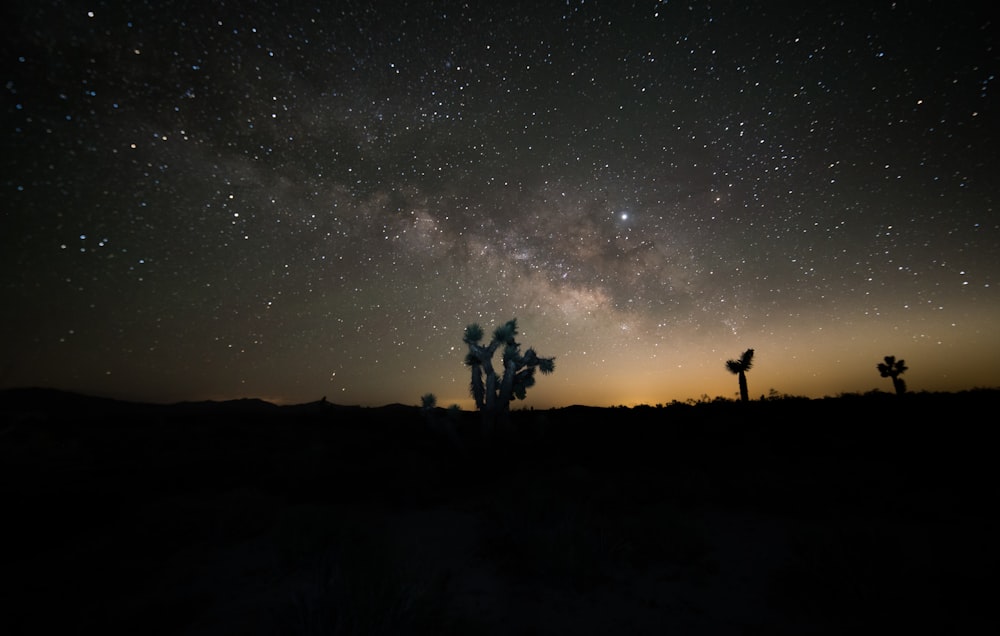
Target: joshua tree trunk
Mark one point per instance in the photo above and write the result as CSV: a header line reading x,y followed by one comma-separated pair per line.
x,y
507,386
740,367
744,392
491,387
892,368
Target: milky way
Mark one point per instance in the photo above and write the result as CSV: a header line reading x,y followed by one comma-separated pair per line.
x,y
208,200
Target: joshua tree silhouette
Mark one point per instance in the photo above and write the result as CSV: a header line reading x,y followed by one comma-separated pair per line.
x,y
740,367
893,368
428,401
493,396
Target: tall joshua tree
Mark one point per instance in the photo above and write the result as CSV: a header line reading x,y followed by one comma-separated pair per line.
x,y
893,368
492,394
740,367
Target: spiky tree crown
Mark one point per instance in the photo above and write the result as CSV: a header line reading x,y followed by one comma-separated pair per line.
x,y
493,393
505,333
473,334
891,367
547,365
743,364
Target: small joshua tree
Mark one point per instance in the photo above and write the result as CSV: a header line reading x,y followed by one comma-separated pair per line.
x,y
428,402
492,394
740,367
893,368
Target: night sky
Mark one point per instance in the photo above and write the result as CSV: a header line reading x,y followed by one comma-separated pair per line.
x,y
272,200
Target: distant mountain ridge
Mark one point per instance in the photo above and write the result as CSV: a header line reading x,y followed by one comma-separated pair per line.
x,y
39,402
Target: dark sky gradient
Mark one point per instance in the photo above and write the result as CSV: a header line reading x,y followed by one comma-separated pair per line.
x,y
223,200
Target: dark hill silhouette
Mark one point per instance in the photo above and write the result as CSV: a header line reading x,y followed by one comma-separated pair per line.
x,y
241,405
56,402
53,400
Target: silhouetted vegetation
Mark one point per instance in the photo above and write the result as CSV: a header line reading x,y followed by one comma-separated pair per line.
x,y
492,396
786,515
428,401
740,367
893,368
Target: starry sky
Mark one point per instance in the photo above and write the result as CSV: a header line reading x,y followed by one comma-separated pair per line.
x,y
286,201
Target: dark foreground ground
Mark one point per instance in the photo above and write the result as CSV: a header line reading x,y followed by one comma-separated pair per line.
x,y
782,517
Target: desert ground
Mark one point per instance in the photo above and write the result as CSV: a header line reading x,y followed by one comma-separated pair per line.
x,y
781,516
